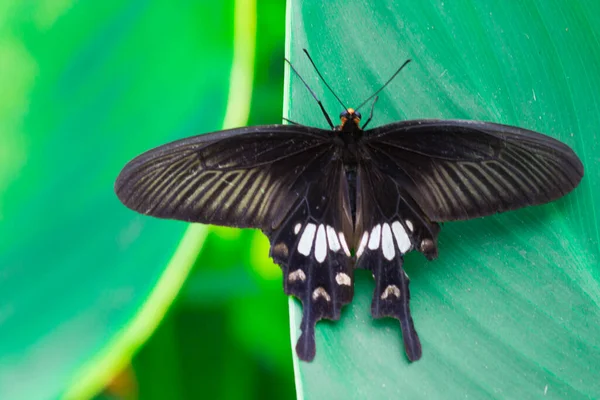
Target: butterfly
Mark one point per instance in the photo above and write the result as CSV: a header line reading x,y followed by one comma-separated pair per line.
x,y
332,201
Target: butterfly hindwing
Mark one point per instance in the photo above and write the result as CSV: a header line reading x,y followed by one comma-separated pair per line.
x,y
460,169
311,248
391,224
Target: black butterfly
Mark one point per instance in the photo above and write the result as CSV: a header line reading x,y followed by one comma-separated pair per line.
x,y
334,200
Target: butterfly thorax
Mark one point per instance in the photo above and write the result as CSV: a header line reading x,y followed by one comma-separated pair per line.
x,y
349,135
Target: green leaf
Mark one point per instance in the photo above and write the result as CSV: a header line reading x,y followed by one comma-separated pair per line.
x,y
86,87
510,308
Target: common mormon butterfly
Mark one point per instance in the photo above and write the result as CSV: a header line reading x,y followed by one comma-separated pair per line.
x,y
334,200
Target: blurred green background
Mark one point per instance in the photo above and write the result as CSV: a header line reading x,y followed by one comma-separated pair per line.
x,y
96,300
85,87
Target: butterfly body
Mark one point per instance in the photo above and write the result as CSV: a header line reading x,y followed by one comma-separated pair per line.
x,y
331,201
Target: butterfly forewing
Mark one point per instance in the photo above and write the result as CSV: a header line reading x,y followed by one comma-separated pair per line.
x,y
241,177
465,169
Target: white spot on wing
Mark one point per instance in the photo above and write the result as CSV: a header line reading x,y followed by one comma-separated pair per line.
x,y
343,279
297,228
306,240
334,243
297,275
409,225
390,290
344,244
387,242
401,237
320,292
321,244
375,237
363,244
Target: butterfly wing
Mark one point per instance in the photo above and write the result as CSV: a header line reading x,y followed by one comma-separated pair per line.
x,y
283,179
416,173
459,170
390,224
311,248
239,177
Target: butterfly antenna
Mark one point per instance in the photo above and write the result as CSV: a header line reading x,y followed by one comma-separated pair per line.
x,y
371,115
290,121
312,93
384,85
323,79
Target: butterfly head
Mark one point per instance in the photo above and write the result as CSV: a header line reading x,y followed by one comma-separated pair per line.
x,y
350,115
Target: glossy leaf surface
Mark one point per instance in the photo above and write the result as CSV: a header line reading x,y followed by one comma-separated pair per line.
x,y
510,307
